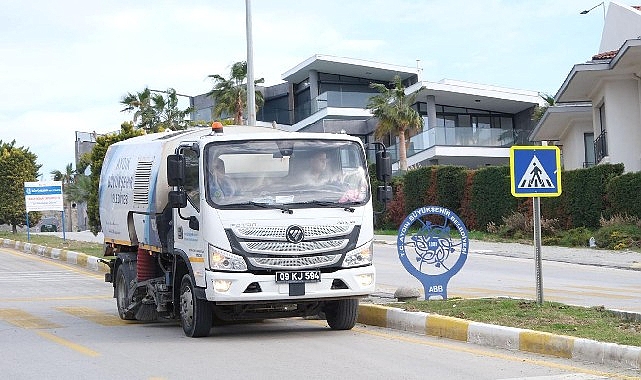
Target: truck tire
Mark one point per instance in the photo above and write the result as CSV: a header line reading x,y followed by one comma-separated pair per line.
x,y
123,279
341,314
195,314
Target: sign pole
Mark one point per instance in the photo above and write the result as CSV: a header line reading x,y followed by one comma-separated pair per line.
x,y
535,171
63,226
28,234
536,202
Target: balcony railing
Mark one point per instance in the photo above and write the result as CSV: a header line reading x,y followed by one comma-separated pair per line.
x,y
600,147
337,99
462,136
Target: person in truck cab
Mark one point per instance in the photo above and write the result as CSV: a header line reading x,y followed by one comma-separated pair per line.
x,y
220,185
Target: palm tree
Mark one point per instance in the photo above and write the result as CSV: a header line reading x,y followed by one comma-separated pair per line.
x,y
230,95
168,114
539,111
140,103
395,115
156,113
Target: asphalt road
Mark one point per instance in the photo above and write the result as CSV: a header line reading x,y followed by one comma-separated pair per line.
x,y
59,322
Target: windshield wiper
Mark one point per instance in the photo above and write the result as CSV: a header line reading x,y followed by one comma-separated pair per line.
x,y
263,205
344,206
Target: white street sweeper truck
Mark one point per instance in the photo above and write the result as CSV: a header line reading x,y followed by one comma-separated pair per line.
x,y
248,223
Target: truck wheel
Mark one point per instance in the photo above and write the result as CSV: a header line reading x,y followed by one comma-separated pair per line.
x,y
123,279
195,314
341,314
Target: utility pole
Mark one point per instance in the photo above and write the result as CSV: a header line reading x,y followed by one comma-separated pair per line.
x,y
251,91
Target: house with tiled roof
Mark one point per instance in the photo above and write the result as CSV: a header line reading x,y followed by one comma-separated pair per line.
x,y
597,113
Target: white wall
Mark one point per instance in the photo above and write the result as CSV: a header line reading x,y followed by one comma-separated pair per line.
x,y
622,23
573,145
623,122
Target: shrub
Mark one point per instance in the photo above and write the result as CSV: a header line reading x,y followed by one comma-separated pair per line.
x,y
620,219
622,236
623,194
576,237
490,195
415,185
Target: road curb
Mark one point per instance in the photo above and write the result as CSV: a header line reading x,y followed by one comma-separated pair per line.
x,y
509,338
70,257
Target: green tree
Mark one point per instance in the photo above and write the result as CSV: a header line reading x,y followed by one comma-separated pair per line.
x,y
154,112
169,115
395,115
539,111
17,166
140,104
230,95
79,190
98,153
67,178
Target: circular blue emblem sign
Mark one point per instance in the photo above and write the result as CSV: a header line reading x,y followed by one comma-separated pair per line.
x,y
432,245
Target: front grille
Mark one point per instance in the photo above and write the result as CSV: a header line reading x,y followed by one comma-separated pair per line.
x,y
278,233
287,248
294,262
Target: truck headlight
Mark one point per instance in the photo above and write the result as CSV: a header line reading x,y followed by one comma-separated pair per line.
x,y
223,260
359,256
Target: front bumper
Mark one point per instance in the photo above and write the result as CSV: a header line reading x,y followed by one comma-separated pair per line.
x,y
272,291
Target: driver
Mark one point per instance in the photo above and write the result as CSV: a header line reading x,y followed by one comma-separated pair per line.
x,y
220,186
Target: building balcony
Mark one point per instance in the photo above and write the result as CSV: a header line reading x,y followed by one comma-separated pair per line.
x,y
461,137
335,99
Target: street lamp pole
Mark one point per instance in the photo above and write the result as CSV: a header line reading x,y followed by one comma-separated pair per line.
x,y
251,91
601,4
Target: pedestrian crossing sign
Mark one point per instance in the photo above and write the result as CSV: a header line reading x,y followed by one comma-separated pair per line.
x,y
535,171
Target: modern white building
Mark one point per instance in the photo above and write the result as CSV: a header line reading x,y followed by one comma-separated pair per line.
x,y
597,113
466,124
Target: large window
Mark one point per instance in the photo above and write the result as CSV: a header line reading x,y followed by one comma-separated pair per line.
x,y
588,146
451,117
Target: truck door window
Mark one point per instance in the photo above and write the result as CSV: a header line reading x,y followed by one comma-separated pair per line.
x,y
192,186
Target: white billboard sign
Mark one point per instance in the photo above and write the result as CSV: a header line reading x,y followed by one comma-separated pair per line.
x,y
43,195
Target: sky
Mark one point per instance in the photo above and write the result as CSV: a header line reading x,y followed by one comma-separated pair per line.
x,y
65,65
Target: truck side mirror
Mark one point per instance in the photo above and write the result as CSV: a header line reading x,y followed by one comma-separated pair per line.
x,y
383,166
176,170
384,194
177,199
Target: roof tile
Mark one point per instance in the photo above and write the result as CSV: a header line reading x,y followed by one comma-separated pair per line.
x,y
605,55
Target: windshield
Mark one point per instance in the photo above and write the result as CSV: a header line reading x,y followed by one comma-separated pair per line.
x,y
286,172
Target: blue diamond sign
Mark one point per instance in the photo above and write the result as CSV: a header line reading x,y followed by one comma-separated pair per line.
x,y
535,171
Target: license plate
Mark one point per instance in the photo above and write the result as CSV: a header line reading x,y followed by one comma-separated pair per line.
x,y
298,276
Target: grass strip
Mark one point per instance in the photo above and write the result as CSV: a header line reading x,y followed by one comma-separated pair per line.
x,y
595,323
89,248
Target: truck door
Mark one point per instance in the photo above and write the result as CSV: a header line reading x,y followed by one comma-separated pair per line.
x,y
187,220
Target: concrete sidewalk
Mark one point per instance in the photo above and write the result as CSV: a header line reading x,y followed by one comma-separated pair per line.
x,y
585,256
509,338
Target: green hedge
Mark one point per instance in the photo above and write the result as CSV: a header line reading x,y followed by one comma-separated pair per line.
x,y
416,184
491,195
624,195
586,193
450,185
483,196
